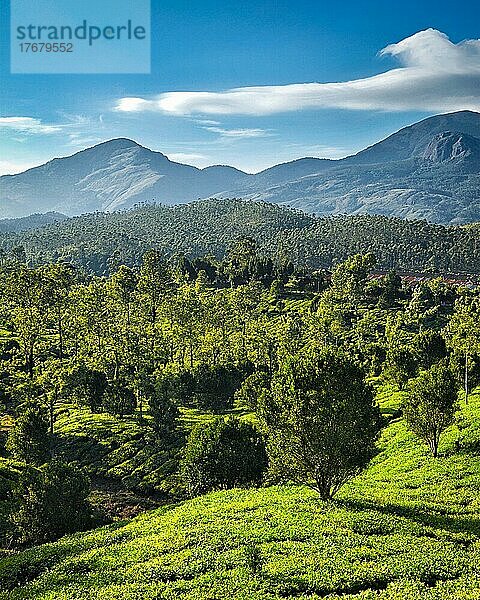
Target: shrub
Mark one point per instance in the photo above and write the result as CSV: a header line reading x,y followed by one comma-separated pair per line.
x,y
119,400
215,386
29,439
51,501
163,409
87,386
224,453
400,365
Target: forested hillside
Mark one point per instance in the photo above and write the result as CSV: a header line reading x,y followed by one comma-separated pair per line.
x,y
99,241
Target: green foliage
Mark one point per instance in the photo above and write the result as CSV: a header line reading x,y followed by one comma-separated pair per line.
x,y
51,501
321,420
429,347
29,439
87,386
222,454
430,404
119,399
400,364
252,389
163,410
215,385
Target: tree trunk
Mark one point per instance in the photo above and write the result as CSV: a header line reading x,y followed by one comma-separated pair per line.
x,y
60,334
466,377
30,360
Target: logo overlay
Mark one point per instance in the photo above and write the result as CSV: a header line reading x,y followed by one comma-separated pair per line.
x,y
91,36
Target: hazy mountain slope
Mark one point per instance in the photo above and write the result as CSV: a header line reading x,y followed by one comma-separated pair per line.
x,y
115,174
438,192
428,170
410,142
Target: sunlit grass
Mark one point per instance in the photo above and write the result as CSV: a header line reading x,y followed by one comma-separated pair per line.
x,y
408,528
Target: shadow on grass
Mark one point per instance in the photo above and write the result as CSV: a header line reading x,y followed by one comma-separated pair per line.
x,y
466,524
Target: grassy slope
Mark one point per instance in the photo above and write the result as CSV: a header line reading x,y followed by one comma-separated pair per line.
x,y
408,528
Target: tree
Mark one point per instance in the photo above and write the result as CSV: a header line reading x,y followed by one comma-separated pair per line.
x,y
429,347
349,278
86,385
28,297
430,404
59,278
216,385
320,419
153,283
464,330
119,400
29,439
163,409
51,501
253,386
240,261
400,364
222,454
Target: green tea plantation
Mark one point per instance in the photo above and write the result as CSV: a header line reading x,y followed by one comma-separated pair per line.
x,y
407,528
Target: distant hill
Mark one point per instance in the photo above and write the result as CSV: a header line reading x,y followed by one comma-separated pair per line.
x,y
429,170
30,222
208,227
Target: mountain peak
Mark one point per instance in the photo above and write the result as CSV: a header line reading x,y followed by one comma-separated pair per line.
x,y
412,141
119,143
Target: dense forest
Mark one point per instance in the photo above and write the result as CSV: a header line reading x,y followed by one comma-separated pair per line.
x,y
182,376
98,243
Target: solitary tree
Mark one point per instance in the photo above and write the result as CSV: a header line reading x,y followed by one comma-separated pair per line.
x,y
430,404
321,420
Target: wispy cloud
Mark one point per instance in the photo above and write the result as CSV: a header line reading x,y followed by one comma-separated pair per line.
x,y
434,75
239,133
28,125
80,140
207,122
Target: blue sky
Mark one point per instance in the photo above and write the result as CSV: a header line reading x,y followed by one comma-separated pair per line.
x,y
211,51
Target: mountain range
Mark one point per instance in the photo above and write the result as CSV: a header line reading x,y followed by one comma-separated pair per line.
x,y
429,170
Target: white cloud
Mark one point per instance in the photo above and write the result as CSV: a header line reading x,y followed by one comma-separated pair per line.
x,y
434,75
207,122
28,125
238,133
